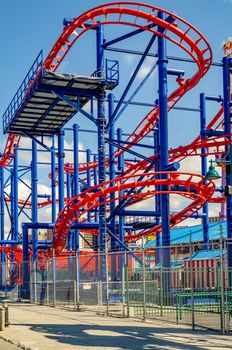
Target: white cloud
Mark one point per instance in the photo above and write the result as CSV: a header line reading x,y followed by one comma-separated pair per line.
x,y
130,59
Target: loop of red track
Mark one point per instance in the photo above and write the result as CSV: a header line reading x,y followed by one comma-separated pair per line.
x,y
195,45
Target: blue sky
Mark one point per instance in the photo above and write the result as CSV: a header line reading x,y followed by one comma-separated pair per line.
x,y
28,26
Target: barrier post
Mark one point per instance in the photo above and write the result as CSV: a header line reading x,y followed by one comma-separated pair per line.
x,y
2,318
6,308
222,283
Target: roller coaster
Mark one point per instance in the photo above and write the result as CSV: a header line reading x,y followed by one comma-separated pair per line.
x,y
47,100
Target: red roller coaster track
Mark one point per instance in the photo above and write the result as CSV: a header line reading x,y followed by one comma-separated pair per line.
x,y
189,39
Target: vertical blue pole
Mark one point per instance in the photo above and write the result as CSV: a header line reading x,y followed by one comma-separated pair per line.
x,y
112,169
34,196
2,216
26,276
61,169
15,180
12,235
157,201
121,218
76,176
53,181
96,219
205,220
12,203
101,135
227,62
88,160
162,69
121,169
68,188
112,195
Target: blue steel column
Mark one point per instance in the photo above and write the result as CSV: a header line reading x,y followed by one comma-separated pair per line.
x,y
15,180
26,270
88,160
165,212
76,176
121,169
2,221
68,189
101,136
53,181
12,203
205,220
112,195
34,196
61,169
227,127
157,201
96,219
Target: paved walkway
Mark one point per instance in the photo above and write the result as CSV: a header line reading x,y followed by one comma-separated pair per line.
x,y
43,328
6,346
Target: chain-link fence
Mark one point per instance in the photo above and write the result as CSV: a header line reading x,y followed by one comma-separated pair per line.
x,y
193,286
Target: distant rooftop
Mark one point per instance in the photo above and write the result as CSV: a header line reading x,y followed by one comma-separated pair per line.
x,y
194,233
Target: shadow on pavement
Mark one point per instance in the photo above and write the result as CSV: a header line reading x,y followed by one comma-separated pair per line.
x,y
130,337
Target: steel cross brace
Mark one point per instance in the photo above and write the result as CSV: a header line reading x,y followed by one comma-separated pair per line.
x,y
141,61
128,150
75,106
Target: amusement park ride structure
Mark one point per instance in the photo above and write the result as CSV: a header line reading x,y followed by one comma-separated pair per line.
x,y
100,191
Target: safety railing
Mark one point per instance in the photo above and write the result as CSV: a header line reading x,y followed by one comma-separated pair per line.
x,y
24,91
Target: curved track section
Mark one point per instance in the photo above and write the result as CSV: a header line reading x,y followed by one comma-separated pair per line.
x,y
190,186
10,149
182,34
183,184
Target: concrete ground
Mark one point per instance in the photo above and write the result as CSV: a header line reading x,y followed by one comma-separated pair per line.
x,y
6,346
45,328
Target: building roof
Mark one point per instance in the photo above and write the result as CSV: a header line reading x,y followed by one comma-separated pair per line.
x,y
194,233
205,255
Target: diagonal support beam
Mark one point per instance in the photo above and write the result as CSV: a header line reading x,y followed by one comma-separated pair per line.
x,y
136,154
74,105
134,75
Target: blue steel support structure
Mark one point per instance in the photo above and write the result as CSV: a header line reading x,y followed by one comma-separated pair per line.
x,y
15,203
101,121
68,193
112,195
34,195
76,242
53,181
157,200
61,169
2,221
165,213
26,268
227,64
88,160
121,219
121,169
205,219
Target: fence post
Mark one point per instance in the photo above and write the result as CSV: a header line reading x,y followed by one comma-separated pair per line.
x,y
161,290
47,282
222,283
107,280
54,278
35,282
144,282
127,287
77,289
192,282
122,258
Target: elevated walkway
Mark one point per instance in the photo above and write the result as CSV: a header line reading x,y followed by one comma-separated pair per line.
x,y
46,101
